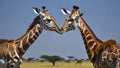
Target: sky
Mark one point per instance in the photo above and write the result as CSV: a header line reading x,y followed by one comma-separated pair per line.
x,y
103,17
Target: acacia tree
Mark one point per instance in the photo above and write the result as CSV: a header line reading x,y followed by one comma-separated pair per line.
x,y
29,59
70,58
52,59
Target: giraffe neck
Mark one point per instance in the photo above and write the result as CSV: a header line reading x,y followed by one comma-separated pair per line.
x,y
25,41
90,40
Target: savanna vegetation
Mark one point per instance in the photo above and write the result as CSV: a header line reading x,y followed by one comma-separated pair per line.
x,y
59,64
55,61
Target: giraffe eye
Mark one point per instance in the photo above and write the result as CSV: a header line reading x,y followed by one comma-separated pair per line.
x,y
71,20
48,20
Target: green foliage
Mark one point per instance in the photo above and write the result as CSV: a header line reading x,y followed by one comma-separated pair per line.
x,y
2,40
52,59
70,57
44,57
30,59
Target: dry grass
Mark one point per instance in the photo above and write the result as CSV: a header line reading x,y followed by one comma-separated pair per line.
x,y
36,64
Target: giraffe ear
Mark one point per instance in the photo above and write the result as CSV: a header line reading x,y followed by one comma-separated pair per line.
x,y
36,10
65,12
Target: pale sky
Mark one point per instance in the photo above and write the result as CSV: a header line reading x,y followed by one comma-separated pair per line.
x,y
102,16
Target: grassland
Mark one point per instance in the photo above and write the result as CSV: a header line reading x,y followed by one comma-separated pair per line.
x,y
36,64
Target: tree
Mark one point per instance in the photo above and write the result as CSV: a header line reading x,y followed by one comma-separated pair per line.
x,y
2,40
52,59
30,59
79,61
70,57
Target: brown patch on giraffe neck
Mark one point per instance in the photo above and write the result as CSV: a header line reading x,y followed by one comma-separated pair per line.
x,y
105,44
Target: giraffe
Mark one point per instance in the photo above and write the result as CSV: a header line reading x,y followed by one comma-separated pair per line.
x,y
8,51
103,54
43,21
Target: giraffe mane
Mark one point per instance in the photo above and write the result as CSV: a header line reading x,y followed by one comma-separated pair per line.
x,y
105,45
35,21
10,41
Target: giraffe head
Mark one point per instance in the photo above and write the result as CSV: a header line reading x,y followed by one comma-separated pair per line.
x,y
46,20
71,21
